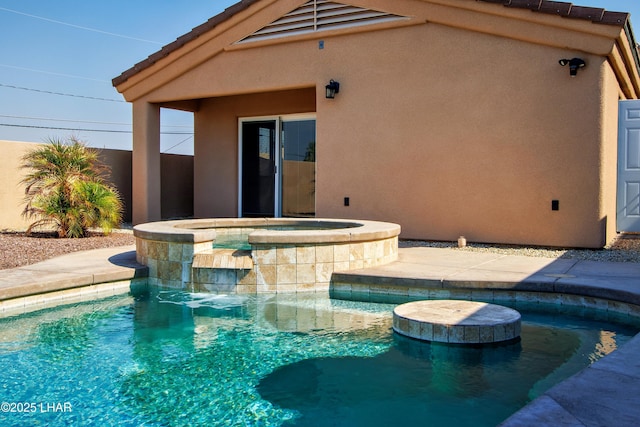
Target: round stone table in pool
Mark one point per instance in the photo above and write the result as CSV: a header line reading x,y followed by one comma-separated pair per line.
x,y
459,322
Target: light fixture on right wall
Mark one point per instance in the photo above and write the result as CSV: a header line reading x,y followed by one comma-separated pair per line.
x,y
574,65
332,88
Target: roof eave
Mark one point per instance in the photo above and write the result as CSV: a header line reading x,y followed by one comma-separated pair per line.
x,y
182,40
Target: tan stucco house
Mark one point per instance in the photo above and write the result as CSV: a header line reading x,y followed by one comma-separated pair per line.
x,y
453,117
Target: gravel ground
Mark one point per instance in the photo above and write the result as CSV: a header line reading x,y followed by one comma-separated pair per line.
x,y
626,248
17,250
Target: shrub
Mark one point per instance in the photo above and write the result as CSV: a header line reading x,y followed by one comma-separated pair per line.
x,y
65,188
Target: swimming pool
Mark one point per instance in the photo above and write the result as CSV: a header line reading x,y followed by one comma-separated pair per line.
x,y
173,358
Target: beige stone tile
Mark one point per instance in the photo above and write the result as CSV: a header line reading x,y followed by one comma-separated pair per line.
x,y
472,334
246,289
356,264
158,250
322,288
414,328
306,287
439,294
510,296
153,267
481,295
485,334
499,333
388,248
187,252
341,266
286,274
203,261
202,275
324,253
306,273
306,255
341,253
175,252
369,250
421,293
440,333
402,324
141,247
169,270
455,334
356,252
286,288
248,263
247,278
324,271
202,246
266,256
221,288
266,288
426,331
266,275
286,255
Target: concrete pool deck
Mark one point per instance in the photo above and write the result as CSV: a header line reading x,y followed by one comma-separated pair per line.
x,y
605,393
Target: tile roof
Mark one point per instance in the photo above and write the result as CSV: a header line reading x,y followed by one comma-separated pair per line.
x,y
568,10
564,9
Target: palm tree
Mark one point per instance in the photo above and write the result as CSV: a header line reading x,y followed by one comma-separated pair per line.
x,y
65,188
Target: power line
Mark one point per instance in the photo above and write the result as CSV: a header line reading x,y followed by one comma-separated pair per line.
x,y
79,26
179,143
53,74
88,130
61,94
82,121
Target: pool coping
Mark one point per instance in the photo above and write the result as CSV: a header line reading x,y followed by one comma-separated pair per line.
x,y
201,230
71,278
607,390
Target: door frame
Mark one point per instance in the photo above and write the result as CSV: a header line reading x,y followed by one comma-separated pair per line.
x,y
278,119
628,120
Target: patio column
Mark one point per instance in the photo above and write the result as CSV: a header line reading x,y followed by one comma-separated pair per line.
x,y
145,184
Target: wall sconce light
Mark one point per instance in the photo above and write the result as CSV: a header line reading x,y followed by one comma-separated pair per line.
x,y
574,65
332,88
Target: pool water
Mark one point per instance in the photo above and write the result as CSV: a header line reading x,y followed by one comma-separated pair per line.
x,y
171,358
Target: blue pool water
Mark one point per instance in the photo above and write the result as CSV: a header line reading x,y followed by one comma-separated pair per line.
x,y
169,358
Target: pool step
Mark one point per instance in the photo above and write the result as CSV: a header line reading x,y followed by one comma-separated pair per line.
x,y
225,259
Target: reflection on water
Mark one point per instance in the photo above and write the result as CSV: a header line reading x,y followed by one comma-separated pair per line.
x,y
175,358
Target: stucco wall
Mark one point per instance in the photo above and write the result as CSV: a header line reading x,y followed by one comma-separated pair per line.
x,y
11,192
475,138
177,190
459,124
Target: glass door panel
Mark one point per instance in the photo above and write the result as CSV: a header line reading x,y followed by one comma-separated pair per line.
x,y
259,168
298,178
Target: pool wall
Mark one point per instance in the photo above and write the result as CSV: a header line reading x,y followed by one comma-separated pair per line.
x,y
180,253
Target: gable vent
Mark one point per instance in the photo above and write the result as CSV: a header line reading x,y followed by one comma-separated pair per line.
x,y
320,15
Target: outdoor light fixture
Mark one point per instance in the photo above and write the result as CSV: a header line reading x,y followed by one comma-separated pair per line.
x,y
332,88
574,65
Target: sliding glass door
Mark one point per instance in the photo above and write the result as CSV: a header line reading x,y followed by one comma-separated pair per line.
x,y
277,167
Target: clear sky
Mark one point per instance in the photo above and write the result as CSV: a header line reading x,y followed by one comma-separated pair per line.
x,y
57,59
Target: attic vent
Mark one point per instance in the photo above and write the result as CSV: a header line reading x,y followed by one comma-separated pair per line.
x,y
320,15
